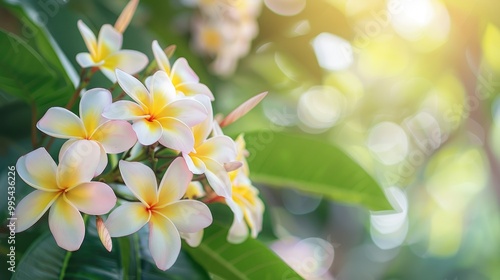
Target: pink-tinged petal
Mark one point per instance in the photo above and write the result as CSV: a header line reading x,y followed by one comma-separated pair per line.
x,y
238,232
148,132
129,61
188,111
115,136
217,177
124,110
94,198
243,109
38,170
219,148
162,91
141,180
61,123
202,130
109,41
66,224
88,38
160,57
164,241
194,89
176,135
31,208
183,73
134,88
127,219
78,164
85,60
126,16
192,239
174,183
65,147
187,215
194,164
93,103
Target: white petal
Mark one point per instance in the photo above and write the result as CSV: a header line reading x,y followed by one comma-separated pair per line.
x,y
88,38
238,232
160,57
219,148
115,136
192,239
189,89
78,164
129,61
183,73
66,224
162,91
141,180
164,241
109,41
148,132
85,60
92,106
94,198
176,135
174,183
188,111
127,219
194,164
134,88
188,215
38,170
31,208
218,178
61,123
124,110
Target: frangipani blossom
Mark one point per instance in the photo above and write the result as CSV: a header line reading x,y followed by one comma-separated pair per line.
x,y
184,79
113,136
106,53
66,189
209,156
157,113
161,208
246,197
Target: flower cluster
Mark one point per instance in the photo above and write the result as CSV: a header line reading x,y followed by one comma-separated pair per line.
x,y
174,157
224,29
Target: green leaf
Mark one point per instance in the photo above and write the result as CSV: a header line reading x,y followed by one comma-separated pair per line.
x,y
311,165
26,75
248,260
45,260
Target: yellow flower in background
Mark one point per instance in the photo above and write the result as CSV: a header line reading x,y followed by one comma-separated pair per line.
x,y
246,197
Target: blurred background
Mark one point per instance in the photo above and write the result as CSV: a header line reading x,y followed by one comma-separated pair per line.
x,y
408,88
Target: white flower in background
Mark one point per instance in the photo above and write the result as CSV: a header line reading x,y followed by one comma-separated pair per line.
x,y
225,30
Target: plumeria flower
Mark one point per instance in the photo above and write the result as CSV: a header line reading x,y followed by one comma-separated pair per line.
x,y
157,114
209,156
106,53
184,79
66,189
160,208
246,196
113,136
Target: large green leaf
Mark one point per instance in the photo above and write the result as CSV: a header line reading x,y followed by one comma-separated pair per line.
x,y
248,260
26,75
45,260
311,165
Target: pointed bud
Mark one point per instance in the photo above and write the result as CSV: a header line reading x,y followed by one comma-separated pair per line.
x,y
242,110
233,165
126,15
170,50
103,233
